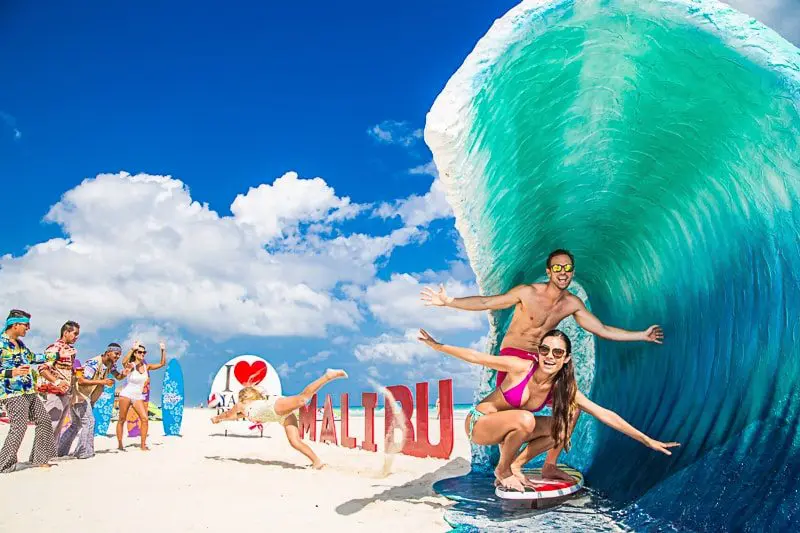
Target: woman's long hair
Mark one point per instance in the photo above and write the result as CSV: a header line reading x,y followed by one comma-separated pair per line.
x,y
564,390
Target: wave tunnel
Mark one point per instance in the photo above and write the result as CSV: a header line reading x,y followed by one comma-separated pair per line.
x,y
658,140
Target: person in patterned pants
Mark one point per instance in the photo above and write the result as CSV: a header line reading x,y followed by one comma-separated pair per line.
x,y
18,392
91,379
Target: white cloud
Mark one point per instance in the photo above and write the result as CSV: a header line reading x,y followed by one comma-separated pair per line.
x,y
140,248
419,210
394,349
480,344
151,335
394,132
285,368
11,122
423,363
783,16
397,303
428,169
275,210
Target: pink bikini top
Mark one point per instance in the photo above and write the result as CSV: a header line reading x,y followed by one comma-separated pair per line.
x,y
514,395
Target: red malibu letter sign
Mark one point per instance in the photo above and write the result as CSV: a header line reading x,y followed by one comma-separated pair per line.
x,y
417,443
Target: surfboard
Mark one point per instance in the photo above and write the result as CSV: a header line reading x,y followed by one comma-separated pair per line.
x,y
545,488
479,505
102,410
172,399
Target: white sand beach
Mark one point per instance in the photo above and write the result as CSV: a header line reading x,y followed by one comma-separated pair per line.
x,y
205,481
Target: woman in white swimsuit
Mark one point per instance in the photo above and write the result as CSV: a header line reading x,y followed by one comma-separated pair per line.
x,y
258,407
134,387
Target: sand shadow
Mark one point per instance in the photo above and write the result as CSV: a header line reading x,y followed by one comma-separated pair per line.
x,y
135,446
249,461
19,467
238,436
411,492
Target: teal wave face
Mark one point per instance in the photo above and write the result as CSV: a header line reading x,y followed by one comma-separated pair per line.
x,y
658,141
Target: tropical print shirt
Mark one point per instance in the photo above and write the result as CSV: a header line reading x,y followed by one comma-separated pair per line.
x,y
60,357
13,356
94,369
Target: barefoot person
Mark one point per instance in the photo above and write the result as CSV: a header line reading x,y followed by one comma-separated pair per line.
x,y
137,374
538,308
90,382
60,357
507,415
258,407
18,392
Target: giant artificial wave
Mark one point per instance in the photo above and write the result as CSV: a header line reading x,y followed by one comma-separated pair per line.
x,y
658,140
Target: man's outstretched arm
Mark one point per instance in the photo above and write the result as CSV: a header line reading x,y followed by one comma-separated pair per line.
x,y
592,324
472,303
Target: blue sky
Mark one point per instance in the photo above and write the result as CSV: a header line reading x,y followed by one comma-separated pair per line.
x,y
249,180
225,102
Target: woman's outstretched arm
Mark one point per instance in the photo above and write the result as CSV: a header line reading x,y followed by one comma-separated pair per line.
x,y
613,420
503,364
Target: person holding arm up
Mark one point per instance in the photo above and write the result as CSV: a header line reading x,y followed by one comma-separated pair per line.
x,y
507,416
539,308
132,393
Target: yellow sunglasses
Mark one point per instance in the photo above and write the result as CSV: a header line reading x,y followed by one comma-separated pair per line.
x,y
559,268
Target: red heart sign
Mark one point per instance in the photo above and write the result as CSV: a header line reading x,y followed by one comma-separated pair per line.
x,y
248,374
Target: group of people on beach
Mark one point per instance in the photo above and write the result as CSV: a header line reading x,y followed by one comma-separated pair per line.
x,y
535,369
46,388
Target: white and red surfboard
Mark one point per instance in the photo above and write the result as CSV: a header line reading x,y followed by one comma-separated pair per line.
x,y
545,488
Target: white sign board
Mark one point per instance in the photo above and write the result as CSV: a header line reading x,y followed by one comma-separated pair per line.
x,y
239,372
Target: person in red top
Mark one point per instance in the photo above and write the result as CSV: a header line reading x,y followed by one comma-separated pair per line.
x,y
60,358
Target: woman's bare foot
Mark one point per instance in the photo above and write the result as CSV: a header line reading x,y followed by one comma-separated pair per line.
x,y
508,481
318,465
525,480
45,465
145,448
335,373
551,471
121,448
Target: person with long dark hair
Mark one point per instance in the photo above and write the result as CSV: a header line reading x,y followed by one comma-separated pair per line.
x,y
539,308
507,415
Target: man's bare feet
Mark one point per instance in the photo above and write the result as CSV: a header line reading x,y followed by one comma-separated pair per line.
x,y
508,481
551,471
335,373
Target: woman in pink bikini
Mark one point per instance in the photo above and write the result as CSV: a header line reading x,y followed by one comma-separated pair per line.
x,y
506,415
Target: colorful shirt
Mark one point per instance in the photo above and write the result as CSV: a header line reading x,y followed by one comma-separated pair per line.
x,y
60,356
94,369
12,357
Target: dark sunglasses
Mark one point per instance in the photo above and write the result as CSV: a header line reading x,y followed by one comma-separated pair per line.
x,y
558,353
559,268
141,351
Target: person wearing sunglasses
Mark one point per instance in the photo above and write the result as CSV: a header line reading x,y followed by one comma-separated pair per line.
x,y
19,375
507,417
132,394
538,308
